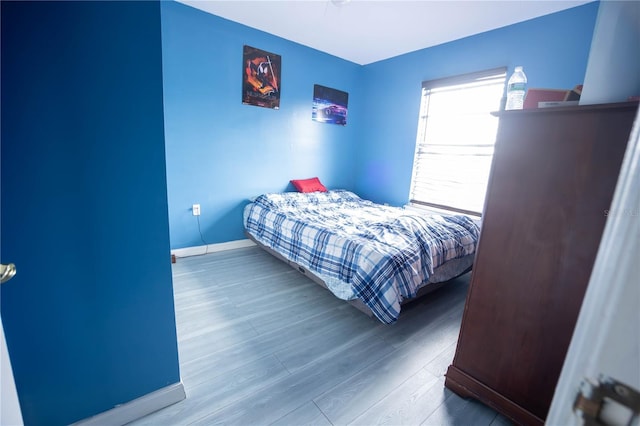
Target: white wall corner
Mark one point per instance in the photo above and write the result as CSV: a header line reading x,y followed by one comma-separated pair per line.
x,y
613,67
138,408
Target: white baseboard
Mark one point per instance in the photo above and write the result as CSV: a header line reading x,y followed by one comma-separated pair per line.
x,y
138,408
212,248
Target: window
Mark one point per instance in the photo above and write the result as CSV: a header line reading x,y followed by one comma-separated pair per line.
x,y
454,145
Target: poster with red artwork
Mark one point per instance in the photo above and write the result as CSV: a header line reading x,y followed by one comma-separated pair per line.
x,y
261,78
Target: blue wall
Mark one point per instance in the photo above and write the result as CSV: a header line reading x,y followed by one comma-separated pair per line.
x,y
221,152
89,317
553,50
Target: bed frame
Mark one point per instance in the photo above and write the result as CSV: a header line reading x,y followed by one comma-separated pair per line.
x,y
440,275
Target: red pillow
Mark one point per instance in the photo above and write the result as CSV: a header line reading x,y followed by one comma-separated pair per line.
x,y
309,185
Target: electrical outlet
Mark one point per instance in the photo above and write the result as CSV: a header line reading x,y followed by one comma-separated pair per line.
x,y
196,209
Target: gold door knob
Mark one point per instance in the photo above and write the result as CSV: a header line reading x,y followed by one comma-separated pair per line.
x,y
7,272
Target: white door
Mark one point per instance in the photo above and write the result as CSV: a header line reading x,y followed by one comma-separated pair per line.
x,y
606,340
10,414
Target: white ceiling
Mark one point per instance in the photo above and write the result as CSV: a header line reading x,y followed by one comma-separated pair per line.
x,y
366,31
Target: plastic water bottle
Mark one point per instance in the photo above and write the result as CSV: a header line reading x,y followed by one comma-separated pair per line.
x,y
516,89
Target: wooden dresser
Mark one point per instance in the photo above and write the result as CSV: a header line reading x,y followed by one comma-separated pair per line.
x,y
552,180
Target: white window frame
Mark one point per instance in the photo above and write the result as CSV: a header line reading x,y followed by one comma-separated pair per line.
x,y
442,138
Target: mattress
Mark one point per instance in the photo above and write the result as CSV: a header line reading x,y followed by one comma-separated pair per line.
x,y
378,254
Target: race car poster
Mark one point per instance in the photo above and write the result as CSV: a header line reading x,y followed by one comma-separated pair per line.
x,y
329,105
261,78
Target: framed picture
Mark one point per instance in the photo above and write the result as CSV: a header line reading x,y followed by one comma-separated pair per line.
x,y
260,78
329,105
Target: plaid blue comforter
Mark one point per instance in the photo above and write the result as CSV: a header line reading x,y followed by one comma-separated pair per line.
x,y
363,250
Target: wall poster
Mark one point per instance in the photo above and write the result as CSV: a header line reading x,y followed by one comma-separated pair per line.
x,y
261,78
329,105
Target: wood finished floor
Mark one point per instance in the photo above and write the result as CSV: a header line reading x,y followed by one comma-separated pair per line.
x,y
260,344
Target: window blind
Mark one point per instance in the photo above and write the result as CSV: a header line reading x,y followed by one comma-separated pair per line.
x,y
455,140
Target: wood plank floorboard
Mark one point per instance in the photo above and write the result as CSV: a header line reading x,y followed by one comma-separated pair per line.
x,y
411,403
261,344
308,414
354,395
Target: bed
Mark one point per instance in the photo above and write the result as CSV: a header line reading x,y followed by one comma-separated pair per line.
x,y
376,257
